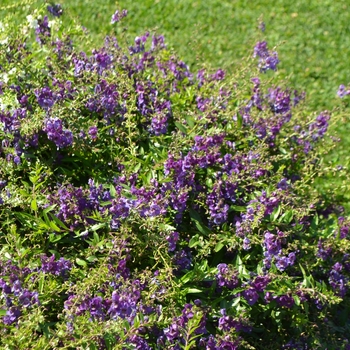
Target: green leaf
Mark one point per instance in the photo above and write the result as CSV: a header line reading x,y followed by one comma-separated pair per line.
x,y
91,258
50,208
314,222
275,214
81,262
308,280
59,222
97,226
219,246
235,302
34,179
3,312
186,277
237,208
296,300
92,346
53,237
287,217
34,205
190,121
239,120
181,127
96,237
54,226
194,241
198,222
193,290
166,227
41,283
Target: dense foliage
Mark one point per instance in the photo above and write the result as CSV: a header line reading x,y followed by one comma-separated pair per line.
x,y
144,206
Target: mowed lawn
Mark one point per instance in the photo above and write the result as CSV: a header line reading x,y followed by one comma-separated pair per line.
x,y
312,39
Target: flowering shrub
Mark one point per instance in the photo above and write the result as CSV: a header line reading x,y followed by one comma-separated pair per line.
x,y
145,206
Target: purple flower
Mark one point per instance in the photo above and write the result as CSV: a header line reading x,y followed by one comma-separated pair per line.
x,y
260,283
172,332
318,128
183,260
58,268
283,184
337,280
97,309
157,41
262,26
282,262
12,315
17,160
56,10
172,238
286,301
219,75
218,209
93,132
55,132
342,91
267,60
101,60
251,296
117,16
280,100
246,243
226,278
42,31
272,244
226,323
45,97
260,49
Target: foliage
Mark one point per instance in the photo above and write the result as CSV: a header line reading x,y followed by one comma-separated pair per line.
x,y
145,206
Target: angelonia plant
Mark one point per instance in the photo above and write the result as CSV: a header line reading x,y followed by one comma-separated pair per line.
x,y
147,206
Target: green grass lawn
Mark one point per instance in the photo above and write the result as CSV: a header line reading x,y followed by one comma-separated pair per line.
x,y
312,39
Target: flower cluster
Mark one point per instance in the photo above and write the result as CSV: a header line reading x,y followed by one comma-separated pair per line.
x,y
226,278
267,60
16,297
337,280
118,15
55,9
56,133
273,251
343,91
61,267
42,31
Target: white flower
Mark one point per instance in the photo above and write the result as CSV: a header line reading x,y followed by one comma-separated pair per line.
x,y
5,78
4,41
12,71
33,23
